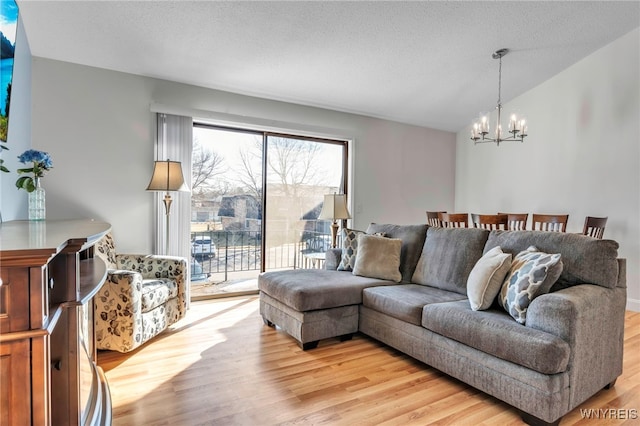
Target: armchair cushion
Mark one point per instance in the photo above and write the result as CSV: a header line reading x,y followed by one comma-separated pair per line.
x,y
157,292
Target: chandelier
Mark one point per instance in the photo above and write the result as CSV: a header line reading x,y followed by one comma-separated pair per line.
x,y
517,129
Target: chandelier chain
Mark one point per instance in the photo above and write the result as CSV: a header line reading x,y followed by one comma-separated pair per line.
x,y
500,82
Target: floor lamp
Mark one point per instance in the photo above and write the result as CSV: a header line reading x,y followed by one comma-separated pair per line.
x,y
334,208
167,176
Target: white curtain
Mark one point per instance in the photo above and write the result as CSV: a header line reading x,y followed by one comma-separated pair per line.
x,y
174,141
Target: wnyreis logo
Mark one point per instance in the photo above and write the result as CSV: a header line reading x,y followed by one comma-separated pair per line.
x,y
609,413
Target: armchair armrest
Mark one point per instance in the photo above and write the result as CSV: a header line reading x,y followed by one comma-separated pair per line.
x,y
153,266
116,305
591,319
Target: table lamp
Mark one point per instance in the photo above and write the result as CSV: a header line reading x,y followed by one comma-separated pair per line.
x,y
334,208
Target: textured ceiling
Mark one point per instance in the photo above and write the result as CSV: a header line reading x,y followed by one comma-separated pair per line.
x,y
424,63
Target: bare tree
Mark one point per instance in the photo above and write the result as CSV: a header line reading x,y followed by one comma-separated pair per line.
x,y
291,163
206,169
294,164
250,176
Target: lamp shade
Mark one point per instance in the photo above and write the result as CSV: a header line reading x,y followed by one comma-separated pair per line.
x,y
334,207
167,176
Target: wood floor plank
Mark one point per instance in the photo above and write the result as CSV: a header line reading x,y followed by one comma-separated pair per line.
x,y
222,366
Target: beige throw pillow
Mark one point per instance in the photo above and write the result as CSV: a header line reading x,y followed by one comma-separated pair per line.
x,y
486,278
378,257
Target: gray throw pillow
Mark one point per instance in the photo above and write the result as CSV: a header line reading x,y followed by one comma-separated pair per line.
x,y
448,256
532,273
412,237
486,278
349,249
378,257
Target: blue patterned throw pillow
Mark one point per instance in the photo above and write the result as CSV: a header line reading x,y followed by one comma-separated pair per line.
x,y
349,249
532,273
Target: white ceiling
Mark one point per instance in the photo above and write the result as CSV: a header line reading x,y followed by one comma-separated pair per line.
x,y
424,63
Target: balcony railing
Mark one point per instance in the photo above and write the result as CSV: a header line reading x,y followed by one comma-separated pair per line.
x,y
235,251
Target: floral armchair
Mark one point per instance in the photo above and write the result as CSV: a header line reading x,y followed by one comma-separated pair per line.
x,y
142,296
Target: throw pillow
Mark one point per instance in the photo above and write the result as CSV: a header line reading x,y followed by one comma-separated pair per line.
x,y
532,273
448,256
486,278
349,249
378,257
412,237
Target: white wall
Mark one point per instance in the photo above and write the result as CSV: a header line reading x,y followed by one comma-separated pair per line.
x,y
98,127
582,156
13,202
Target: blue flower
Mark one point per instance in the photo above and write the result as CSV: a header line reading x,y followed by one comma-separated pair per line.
x,y
33,156
41,163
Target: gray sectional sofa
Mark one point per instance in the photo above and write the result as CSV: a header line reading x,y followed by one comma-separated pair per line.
x,y
565,347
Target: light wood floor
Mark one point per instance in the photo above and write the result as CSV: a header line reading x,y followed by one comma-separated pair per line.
x,y
220,365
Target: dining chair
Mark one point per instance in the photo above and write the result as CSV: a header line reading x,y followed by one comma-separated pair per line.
x,y
594,226
455,220
489,221
549,222
433,219
516,221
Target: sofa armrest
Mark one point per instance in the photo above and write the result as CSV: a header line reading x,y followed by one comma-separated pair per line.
x,y
591,319
332,259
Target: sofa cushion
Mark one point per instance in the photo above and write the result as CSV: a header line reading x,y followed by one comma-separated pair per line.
x,y
405,301
412,237
349,249
532,273
448,256
378,257
486,278
585,259
495,333
309,289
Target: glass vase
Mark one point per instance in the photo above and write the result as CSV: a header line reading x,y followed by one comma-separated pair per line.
x,y
37,209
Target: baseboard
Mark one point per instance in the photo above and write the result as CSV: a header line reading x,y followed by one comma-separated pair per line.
x,y
633,305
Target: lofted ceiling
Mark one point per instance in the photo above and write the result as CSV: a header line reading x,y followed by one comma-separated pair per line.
x,y
423,63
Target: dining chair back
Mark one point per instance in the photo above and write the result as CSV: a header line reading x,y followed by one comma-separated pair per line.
x,y
516,221
489,221
434,219
455,220
594,226
550,222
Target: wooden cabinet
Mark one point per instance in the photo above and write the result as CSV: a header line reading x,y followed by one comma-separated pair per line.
x,y
48,277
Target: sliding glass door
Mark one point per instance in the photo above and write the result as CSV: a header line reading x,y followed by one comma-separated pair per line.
x,y
256,197
299,172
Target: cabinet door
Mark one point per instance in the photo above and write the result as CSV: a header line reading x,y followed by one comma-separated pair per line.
x,y
15,388
14,299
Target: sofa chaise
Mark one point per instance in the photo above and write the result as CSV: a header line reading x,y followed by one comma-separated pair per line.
x,y
455,300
